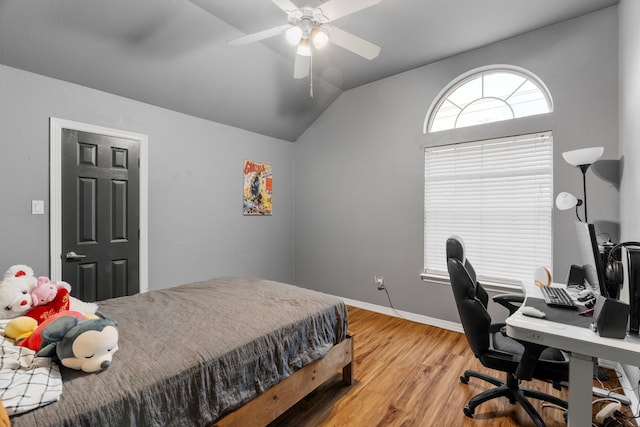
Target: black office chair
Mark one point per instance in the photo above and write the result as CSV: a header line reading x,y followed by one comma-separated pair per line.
x,y
495,350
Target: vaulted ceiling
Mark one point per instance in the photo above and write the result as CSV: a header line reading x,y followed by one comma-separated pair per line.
x,y
172,53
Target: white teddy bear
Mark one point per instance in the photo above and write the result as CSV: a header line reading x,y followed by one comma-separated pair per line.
x,y
18,270
15,291
15,294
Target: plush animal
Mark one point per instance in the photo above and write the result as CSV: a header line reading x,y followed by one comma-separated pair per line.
x,y
15,295
18,270
61,302
20,328
45,298
76,341
46,290
15,291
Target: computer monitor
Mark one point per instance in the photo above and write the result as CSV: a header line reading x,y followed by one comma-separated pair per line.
x,y
590,257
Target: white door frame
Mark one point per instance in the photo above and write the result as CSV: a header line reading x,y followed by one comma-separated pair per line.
x,y
55,192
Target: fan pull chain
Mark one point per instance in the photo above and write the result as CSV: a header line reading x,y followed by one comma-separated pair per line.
x,y
310,72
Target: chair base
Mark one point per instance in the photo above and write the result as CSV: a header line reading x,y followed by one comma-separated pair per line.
x,y
511,390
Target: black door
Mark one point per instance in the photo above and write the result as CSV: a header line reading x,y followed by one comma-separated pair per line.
x,y
100,215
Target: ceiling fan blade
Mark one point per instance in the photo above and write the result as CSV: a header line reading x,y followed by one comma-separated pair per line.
x,y
287,6
301,67
260,35
353,43
334,9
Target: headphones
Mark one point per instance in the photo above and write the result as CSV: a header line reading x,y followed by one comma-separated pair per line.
x,y
613,267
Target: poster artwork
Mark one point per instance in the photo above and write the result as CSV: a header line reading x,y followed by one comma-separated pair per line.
x,y
257,188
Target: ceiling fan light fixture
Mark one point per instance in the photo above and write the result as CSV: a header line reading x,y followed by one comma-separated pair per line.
x,y
304,48
320,38
308,25
294,35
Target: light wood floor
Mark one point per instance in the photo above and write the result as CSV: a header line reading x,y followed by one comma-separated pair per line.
x,y
407,374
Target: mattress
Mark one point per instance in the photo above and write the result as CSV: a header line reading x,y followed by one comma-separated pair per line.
x,y
188,355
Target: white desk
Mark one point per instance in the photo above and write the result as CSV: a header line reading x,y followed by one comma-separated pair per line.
x,y
583,345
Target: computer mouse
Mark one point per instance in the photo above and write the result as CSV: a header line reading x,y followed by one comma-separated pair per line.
x,y
532,312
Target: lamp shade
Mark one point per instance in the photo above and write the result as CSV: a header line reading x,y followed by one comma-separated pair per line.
x,y
566,201
304,48
294,35
319,37
583,156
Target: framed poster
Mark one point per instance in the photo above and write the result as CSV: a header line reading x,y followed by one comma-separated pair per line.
x,y
258,186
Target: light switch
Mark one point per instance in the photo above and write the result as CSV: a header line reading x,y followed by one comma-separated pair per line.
x,y
37,207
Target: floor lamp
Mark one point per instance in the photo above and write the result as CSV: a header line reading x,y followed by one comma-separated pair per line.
x,y
582,158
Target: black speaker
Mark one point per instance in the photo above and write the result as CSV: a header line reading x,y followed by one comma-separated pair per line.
x,y
610,317
576,276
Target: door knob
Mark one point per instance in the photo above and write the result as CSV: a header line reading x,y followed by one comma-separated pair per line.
x,y
72,256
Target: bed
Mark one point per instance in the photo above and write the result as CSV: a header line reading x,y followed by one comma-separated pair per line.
x,y
224,352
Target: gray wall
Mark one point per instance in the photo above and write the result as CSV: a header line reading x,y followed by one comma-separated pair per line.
x,y
629,106
629,115
196,228
359,167
358,172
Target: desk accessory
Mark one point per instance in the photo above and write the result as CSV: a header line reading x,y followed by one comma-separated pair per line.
x,y
610,317
607,412
588,312
558,297
576,276
532,312
600,392
542,277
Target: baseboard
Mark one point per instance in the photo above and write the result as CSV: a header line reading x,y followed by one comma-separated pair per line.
x,y
418,318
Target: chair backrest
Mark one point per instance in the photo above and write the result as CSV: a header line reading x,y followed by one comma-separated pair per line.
x,y
471,298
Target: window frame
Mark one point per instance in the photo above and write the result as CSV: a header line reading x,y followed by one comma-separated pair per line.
x,y
494,130
471,75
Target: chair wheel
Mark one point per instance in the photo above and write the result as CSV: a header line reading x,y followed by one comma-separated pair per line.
x,y
464,379
468,411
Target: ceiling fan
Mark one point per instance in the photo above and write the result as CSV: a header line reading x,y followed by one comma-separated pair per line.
x,y
308,26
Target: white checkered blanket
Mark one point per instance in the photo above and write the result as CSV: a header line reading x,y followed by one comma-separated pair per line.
x,y
26,382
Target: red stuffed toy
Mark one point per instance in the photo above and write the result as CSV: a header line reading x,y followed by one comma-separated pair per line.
x,y
34,341
43,312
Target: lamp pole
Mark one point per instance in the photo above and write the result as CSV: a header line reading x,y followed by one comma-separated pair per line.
x,y
584,168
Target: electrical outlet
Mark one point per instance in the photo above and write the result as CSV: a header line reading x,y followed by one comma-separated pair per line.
x,y
379,281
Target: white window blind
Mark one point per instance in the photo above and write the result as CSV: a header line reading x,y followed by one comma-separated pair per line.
x,y
497,195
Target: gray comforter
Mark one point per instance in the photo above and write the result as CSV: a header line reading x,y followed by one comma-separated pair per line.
x,y
192,353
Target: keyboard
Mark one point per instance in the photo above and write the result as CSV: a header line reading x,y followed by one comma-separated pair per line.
x,y
558,297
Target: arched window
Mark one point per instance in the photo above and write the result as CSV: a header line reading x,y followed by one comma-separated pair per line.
x,y
493,185
486,96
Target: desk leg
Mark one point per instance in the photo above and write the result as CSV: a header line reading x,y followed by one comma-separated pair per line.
x,y
580,384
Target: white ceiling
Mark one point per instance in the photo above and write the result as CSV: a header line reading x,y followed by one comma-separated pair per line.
x,y
172,53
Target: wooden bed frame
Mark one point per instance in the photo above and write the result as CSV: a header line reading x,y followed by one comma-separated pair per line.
x,y
279,398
